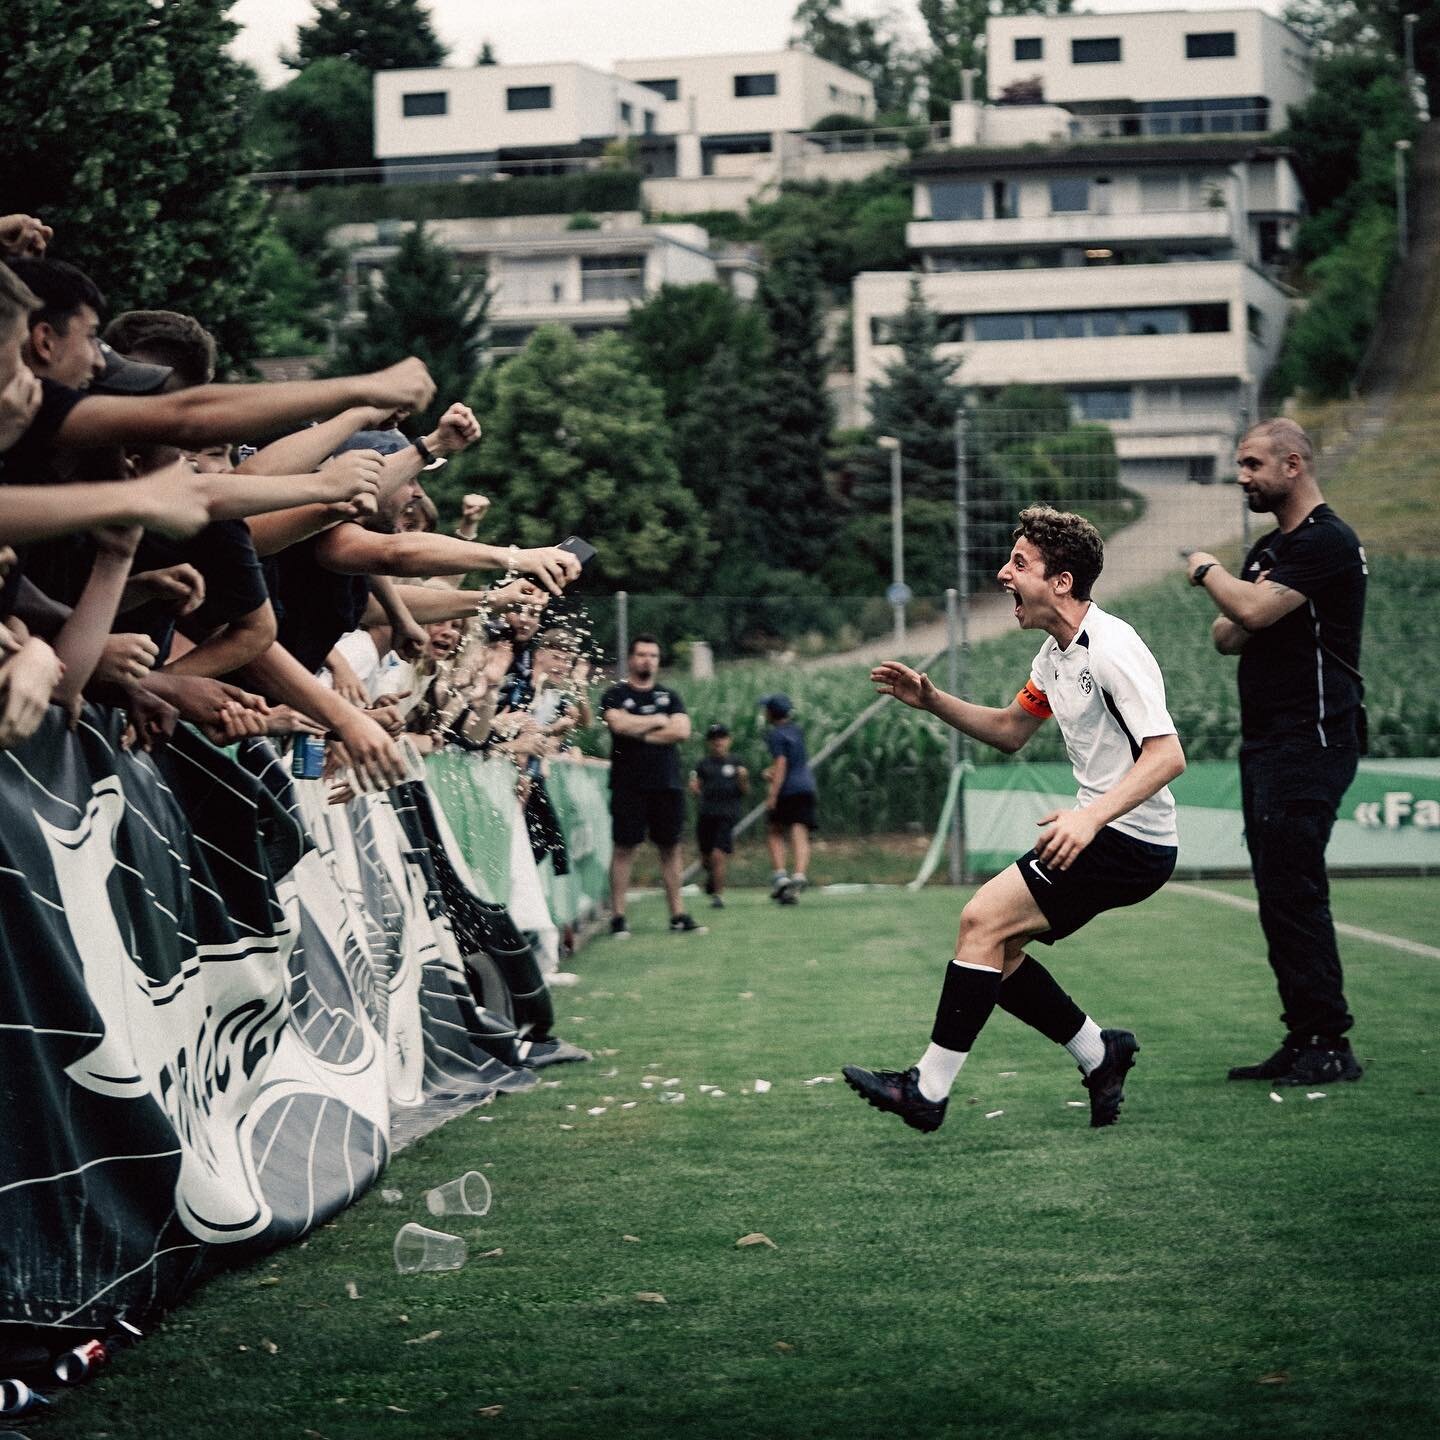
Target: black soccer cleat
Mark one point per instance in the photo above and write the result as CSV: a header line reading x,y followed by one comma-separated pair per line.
x,y
1278,1064
1106,1082
619,930
682,924
1322,1062
897,1091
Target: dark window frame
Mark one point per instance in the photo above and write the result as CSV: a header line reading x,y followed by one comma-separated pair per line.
x,y
1207,45
1034,48
412,108
1096,50
514,94
669,88
753,87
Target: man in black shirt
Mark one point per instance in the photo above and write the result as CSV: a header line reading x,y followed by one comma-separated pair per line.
x,y
1294,615
646,721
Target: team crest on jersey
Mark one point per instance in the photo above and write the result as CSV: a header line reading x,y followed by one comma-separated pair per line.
x,y
1086,682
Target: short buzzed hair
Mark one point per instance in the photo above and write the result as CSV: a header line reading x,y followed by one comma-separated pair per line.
x,y
1065,542
1286,438
17,300
166,337
62,289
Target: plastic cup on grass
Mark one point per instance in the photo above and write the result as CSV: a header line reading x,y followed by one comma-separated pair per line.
x,y
418,1249
468,1195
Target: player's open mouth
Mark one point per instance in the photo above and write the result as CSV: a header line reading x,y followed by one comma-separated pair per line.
x,y
1014,594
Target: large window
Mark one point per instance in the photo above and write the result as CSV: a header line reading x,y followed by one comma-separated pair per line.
x,y
1095,324
1030,48
957,200
1101,404
670,89
1095,52
612,277
1210,45
1068,196
528,97
749,87
425,102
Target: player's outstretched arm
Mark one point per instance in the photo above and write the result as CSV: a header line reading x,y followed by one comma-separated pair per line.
x,y
1008,729
1161,760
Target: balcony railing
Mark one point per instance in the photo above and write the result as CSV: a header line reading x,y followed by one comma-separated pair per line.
x,y
1086,227
1131,124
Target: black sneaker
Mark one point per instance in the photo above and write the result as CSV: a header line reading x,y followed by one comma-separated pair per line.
x,y
619,930
779,888
1322,1062
897,1091
1278,1064
1106,1082
716,902
682,924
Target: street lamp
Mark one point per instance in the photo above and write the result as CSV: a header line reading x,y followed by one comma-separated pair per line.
x,y
1410,53
899,592
1402,221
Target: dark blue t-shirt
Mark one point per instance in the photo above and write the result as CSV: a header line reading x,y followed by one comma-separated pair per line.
x,y
787,740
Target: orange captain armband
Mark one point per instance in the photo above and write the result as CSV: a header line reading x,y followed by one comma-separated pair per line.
x,y
1033,702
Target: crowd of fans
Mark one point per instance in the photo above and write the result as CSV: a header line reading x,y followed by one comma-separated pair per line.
x,y
256,559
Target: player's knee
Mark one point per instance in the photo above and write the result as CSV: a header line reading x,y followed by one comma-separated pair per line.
x,y
977,923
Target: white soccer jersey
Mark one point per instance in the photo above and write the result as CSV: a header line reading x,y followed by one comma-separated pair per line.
x,y
1107,695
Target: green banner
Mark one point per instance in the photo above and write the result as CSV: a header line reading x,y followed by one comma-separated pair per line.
x,y
1389,819
579,791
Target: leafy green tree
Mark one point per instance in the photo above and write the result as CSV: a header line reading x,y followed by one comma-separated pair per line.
x,y
957,39
1373,25
121,124
867,45
299,311
322,119
576,443
679,328
421,306
375,34
797,415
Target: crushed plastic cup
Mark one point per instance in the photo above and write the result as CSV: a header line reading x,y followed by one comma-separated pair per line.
x,y
467,1195
392,1197
418,1249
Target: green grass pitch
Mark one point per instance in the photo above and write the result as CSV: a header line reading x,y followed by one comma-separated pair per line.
x,y
1217,1265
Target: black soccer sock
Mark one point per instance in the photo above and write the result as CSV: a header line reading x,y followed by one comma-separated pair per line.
x,y
1031,993
966,1000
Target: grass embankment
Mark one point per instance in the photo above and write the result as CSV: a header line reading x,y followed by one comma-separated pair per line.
x,y
1216,1265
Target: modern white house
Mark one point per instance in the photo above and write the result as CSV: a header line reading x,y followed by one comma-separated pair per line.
x,y
1139,273
1160,72
540,273
696,115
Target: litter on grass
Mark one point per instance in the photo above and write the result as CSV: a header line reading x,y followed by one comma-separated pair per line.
x,y
1008,1074
762,1087
567,1127
352,1289
651,1297
755,1238
597,1109
426,1338
392,1197
1279,1100
706,1089
993,1114
629,1105
1076,1104
672,1097
820,1080
1314,1094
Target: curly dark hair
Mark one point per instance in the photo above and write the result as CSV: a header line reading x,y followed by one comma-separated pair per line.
x,y
1065,542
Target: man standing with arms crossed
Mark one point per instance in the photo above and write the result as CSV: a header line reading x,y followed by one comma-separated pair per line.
x,y
646,723
1294,616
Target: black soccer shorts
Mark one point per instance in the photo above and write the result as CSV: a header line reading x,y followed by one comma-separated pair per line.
x,y
715,832
636,813
1113,870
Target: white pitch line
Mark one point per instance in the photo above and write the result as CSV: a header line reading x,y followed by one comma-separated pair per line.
x,y
1354,932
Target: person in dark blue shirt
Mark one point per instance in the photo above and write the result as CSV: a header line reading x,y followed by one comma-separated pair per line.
x,y
719,783
790,799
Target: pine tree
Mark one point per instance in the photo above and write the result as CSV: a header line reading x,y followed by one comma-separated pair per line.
x,y
576,443
121,124
916,402
797,416
375,34
421,307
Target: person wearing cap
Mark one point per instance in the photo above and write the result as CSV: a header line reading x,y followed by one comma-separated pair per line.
x,y
790,799
719,782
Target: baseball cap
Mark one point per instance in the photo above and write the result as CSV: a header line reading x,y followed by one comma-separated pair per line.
x,y
123,376
778,704
717,732
386,442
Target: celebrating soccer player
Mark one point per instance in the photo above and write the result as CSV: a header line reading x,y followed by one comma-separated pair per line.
x,y
1116,847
